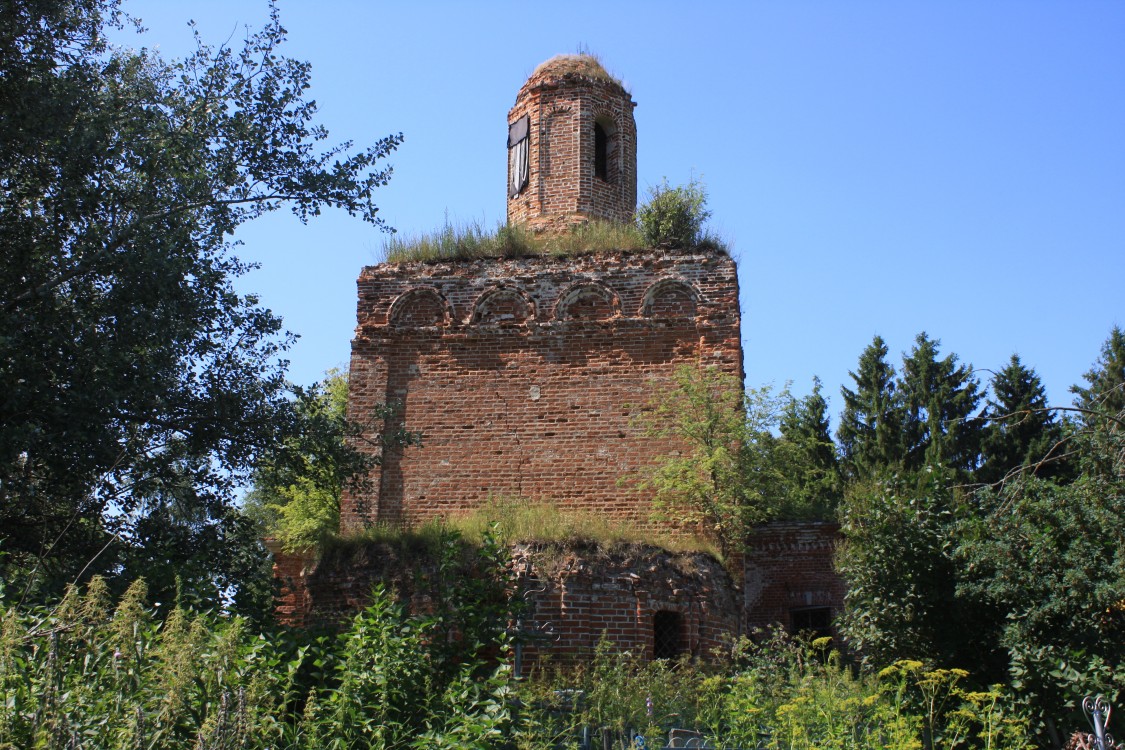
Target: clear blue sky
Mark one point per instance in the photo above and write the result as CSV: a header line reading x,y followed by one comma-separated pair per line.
x,y
878,167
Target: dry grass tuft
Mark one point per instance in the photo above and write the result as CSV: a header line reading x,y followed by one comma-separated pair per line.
x,y
471,241
585,65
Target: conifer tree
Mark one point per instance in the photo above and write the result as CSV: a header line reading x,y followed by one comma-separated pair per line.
x,y
1020,430
871,423
939,400
1105,393
813,481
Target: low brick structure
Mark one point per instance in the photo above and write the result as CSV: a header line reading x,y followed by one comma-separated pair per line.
x,y
290,572
789,578
636,597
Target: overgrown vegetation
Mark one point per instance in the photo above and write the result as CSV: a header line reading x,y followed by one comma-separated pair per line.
x,y
750,455
86,673
776,692
469,241
990,539
298,481
676,216
673,217
139,385
521,521
983,533
979,532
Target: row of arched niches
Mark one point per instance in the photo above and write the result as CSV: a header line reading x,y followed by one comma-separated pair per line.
x,y
425,306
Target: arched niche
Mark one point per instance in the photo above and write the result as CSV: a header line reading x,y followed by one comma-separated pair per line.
x,y
503,305
588,300
670,298
419,308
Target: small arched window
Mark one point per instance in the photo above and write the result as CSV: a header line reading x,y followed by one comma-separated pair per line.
x,y
601,152
518,133
605,149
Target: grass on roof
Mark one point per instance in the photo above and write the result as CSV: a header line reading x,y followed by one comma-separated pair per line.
x,y
516,521
585,64
471,241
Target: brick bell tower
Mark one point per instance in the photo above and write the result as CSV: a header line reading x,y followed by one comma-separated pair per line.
x,y
572,147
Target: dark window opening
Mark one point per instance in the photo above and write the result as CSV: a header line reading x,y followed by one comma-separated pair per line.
x,y
667,638
601,152
811,622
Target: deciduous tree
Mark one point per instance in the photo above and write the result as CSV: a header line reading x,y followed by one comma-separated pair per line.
x,y
298,483
133,377
1048,561
900,575
724,478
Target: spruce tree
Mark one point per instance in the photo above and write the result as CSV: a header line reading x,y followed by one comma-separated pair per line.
x,y
939,400
1106,391
871,423
813,485
1021,430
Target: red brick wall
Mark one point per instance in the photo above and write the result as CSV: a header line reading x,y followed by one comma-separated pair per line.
x,y
562,106
290,571
577,594
582,595
525,376
789,568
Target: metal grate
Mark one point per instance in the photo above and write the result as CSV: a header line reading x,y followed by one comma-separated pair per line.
x,y
667,640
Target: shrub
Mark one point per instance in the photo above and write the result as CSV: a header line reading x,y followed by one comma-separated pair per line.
x,y
674,216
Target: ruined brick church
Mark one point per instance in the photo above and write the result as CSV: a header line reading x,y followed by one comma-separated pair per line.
x,y
525,376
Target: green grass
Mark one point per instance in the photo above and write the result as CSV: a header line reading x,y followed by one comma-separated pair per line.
x,y
415,543
522,521
471,241
516,522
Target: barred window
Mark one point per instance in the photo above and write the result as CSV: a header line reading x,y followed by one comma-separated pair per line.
x,y
815,622
667,635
